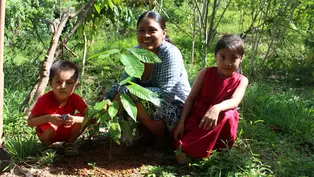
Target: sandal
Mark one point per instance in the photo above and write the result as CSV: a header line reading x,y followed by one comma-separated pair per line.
x,y
47,149
70,150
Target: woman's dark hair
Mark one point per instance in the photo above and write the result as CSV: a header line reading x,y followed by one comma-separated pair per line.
x,y
62,65
232,42
155,16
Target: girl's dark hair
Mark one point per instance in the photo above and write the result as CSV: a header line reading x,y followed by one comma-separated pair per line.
x,y
155,16
62,65
232,42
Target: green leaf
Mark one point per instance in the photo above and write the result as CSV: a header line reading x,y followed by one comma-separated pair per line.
x,y
111,5
97,7
129,79
113,109
106,53
133,66
100,105
105,117
145,55
129,106
115,131
91,112
116,1
144,93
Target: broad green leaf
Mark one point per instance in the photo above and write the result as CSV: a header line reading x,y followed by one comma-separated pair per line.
x,y
91,112
105,117
115,131
145,55
111,5
132,65
292,25
97,7
126,80
107,52
100,105
129,106
144,93
116,1
113,109
116,11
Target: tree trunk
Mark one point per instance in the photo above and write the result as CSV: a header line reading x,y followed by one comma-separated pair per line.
x,y
84,52
211,34
2,20
193,35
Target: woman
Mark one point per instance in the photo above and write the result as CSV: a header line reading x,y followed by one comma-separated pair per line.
x,y
169,78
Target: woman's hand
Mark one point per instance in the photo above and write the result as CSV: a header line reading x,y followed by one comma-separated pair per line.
x,y
209,121
178,131
55,119
107,105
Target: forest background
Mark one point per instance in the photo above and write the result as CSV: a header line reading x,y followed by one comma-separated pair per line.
x,y
275,135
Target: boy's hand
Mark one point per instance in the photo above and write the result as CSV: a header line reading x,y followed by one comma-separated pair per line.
x,y
209,121
55,119
69,120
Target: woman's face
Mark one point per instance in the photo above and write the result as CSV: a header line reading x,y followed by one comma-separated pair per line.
x,y
150,34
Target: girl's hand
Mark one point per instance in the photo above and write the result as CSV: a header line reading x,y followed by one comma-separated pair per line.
x,y
55,119
209,121
178,131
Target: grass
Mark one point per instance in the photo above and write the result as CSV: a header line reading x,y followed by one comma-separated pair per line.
x,y
274,137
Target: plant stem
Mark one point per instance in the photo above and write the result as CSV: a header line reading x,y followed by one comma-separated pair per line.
x,y
110,148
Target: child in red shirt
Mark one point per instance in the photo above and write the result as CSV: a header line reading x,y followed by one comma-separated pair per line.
x,y
54,112
209,119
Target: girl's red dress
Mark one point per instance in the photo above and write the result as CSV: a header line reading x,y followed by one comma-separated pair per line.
x,y
197,142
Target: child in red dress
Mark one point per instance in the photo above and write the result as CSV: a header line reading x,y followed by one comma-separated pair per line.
x,y
209,119
54,112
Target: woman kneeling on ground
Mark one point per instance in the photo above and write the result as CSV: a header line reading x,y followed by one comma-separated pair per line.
x,y
168,78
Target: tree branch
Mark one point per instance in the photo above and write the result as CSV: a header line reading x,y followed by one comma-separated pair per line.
x,y
36,31
68,49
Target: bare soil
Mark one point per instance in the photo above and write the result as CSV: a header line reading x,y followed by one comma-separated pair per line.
x,y
95,159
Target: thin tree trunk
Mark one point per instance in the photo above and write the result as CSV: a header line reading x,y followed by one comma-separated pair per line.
x,y
193,35
84,52
205,35
210,33
2,18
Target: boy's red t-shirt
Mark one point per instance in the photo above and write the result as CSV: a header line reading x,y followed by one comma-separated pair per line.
x,y
48,104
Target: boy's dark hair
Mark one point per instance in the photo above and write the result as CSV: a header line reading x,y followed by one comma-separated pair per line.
x,y
63,65
155,16
232,42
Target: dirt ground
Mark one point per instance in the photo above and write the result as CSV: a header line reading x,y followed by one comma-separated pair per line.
x,y
94,160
